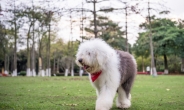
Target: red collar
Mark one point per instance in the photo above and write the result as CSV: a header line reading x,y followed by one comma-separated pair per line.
x,y
94,76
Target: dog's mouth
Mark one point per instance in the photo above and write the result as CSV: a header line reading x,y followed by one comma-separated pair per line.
x,y
85,66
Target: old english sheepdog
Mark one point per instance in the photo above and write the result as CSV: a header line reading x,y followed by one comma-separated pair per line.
x,y
110,71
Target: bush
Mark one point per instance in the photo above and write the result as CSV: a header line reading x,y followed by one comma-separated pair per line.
x,y
59,74
22,73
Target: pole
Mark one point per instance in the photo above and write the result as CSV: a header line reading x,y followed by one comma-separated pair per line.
x,y
126,14
94,12
153,69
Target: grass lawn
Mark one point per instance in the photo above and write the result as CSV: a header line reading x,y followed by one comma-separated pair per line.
x,y
76,93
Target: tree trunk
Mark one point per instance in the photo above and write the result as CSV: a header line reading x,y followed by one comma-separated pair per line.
x,y
95,24
48,52
33,46
49,73
46,72
5,64
58,65
28,60
40,66
72,68
80,71
47,66
175,65
33,57
15,46
153,68
11,62
66,72
143,68
15,52
8,64
126,33
182,65
28,71
43,67
54,66
166,71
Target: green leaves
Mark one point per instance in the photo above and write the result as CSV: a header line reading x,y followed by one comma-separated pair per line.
x,y
109,31
141,47
167,37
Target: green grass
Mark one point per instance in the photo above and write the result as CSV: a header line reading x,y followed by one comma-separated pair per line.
x,y
76,93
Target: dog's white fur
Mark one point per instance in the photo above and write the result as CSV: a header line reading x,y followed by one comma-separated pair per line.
x,y
98,55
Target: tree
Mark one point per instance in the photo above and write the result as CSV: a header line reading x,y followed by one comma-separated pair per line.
x,y
110,32
3,45
28,14
32,15
57,52
181,27
28,23
94,15
141,49
160,32
153,68
128,10
167,39
41,32
15,24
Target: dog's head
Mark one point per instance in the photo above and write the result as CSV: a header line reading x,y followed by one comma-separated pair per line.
x,y
91,56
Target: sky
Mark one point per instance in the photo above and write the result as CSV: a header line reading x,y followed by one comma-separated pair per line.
x,y
176,7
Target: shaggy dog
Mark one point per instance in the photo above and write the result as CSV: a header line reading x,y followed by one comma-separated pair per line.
x,y
110,71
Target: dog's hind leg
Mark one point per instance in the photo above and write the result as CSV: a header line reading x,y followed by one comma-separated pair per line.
x,y
122,100
124,96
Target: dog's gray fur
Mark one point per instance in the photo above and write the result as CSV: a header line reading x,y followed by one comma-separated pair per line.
x,y
128,70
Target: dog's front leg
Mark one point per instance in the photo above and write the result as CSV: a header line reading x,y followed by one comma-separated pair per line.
x,y
105,98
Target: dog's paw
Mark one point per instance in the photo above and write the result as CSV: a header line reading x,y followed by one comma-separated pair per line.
x,y
102,106
123,104
101,109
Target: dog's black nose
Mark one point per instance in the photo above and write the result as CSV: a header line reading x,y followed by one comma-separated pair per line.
x,y
80,60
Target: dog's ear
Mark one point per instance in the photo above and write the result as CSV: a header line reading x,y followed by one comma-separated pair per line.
x,y
102,58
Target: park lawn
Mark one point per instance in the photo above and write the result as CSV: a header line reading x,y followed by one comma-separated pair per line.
x,y
164,92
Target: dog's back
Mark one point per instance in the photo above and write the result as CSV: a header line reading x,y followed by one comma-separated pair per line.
x,y
128,70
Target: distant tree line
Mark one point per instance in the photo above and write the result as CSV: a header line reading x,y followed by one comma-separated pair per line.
x,y
34,28
168,38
